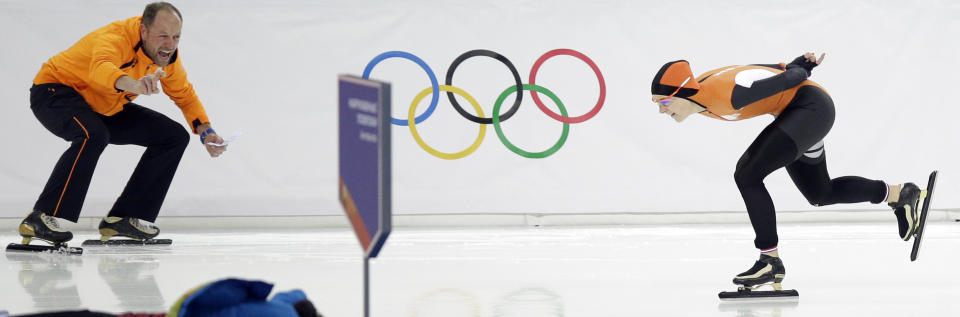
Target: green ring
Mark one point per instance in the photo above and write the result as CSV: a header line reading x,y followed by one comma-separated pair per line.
x,y
515,149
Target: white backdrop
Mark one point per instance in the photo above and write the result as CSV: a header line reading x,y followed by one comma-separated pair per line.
x,y
268,69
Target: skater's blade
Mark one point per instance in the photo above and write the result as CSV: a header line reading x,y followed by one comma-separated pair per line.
x,y
118,242
918,235
16,247
788,294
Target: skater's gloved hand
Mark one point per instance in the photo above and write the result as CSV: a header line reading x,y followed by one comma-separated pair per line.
x,y
209,138
808,61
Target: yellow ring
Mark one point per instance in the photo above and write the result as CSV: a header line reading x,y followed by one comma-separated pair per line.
x,y
411,116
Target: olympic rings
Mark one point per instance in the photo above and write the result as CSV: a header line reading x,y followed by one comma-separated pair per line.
x,y
585,59
502,59
416,136
495,119
415,59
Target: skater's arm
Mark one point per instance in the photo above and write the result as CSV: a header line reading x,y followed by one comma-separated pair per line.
x,y
758,84
807,62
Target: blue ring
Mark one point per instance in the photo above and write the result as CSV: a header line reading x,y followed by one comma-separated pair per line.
x,y
415,59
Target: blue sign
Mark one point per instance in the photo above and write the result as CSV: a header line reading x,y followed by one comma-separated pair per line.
x,y
364,193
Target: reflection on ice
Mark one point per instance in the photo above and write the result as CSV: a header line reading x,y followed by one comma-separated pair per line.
x,y
772,307
47,278
530,302
622,271
131,279
446,302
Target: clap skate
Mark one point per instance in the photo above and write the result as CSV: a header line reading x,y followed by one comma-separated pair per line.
x,y
905,209
767,270
37,225
135,232
925,197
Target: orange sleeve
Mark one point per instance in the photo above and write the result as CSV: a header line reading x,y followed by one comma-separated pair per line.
x,y
180,91
105,59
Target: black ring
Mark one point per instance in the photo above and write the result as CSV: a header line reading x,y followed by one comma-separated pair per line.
x,y
502,59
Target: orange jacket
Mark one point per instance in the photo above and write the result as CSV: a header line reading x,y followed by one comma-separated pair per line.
x,y
93,65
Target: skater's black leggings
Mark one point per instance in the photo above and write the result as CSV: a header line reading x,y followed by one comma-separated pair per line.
x,y
794,141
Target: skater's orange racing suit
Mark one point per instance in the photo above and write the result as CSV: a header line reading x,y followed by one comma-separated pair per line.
x,y
93,65
739,92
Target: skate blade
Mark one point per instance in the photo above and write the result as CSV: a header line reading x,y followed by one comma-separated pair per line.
x,y
122,242
61,249
925,209
747,294
775,284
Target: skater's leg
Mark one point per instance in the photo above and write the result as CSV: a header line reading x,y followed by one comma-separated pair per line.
x,y
802,125
810,175
771,150
165,141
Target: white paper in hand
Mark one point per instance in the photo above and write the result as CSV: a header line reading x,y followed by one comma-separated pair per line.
x,y
232,138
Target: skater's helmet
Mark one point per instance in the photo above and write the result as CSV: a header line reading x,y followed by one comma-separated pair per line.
x,y
675,78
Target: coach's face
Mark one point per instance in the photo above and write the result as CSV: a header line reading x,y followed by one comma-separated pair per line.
x,y
160,40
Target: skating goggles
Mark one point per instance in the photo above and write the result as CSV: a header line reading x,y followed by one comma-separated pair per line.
x,y
666,100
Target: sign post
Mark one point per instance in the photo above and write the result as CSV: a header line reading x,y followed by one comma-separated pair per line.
x,y
364,159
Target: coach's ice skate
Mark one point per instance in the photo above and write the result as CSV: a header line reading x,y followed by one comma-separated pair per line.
x,y
768,270
905,208
40,226
126,227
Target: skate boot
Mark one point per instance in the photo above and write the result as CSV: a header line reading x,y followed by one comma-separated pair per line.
x,y
766,270
126,227
38,225
906,210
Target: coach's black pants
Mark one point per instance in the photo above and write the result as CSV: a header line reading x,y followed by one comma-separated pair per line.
x,y
794,141
65,113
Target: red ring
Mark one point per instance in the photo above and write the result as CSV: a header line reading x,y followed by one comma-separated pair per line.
x,y
585,59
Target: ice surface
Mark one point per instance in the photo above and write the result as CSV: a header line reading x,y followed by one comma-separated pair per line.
x,y
840,270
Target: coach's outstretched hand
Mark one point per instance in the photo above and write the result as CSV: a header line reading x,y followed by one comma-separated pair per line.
x,y
147,85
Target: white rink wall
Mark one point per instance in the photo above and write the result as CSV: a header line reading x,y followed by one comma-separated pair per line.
x,y
268,69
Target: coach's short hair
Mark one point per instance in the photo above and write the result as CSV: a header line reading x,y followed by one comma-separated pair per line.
x,y
150,12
